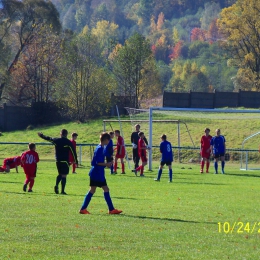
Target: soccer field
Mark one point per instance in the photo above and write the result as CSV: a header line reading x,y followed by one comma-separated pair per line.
x,y
198,216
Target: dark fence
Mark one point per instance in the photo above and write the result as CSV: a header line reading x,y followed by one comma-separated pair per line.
x,y
247,99
15,117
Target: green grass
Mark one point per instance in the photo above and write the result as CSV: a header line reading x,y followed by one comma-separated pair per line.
x,y
162,220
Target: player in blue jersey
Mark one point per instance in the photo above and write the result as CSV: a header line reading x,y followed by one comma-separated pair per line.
x,y
167,157
97,177
109,150
218,148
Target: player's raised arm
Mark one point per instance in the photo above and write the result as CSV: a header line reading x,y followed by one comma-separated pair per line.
x,y
47,138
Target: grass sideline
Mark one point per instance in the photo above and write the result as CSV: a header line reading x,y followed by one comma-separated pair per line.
x,y
162,220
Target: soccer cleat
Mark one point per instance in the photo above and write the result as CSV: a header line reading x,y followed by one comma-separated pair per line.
x,y
201,171
24,187
114,172
216,172
30,190
207,171
122,172
135,171
63,193
141,175
73,172
170,181
83,211
156,179
223,171
115,211
56,189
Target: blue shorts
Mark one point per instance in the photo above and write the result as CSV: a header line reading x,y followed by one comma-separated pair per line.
x,y
168,163
218,155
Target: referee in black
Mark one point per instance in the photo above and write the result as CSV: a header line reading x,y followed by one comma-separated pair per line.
x,y
134,141
62,148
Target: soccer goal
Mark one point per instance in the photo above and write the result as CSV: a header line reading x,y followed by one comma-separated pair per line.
x,y
250,153
235,125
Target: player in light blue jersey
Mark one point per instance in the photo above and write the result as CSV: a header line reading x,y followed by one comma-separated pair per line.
x,y
218,148
167,157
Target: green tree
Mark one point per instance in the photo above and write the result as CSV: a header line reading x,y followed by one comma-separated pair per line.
x,y
84,85
24,18
133,64
240,26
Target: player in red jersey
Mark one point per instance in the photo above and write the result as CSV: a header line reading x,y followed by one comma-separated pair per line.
x,y
142,154
205,150
11,163
29,161
120,151
71,158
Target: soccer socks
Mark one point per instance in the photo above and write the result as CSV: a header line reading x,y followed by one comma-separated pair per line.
x,y
27,180
31,184
63,183
216,167
159,174
112,168
58,180
138,168
202,163
170,174
123,167
73,167
223,166
108,201
207,166
115,167
86,200
141,170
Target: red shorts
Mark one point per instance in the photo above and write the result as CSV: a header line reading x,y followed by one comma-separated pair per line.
x,y
143,158
122,155
204,154
11,165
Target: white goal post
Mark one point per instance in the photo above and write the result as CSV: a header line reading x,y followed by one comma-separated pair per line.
x,y
204,113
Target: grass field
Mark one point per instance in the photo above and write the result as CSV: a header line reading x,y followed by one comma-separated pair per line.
x,y
162,220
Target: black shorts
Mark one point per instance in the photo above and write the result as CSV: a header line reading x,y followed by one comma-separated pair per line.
x,y
109,158
97,183
63,168
168,163
218,155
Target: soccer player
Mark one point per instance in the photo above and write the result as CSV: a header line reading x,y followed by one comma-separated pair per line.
x,y
11,163
109,150
218,148
167,157
142,154
73,139
62,148
134,140
205,150
120,152
29,162
97,177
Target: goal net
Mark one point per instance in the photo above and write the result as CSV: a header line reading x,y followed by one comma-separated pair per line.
x,y
185,126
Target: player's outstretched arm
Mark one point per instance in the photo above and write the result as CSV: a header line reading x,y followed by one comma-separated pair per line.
x,y
47,138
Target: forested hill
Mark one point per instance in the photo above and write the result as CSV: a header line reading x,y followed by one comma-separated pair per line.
x,y
129,14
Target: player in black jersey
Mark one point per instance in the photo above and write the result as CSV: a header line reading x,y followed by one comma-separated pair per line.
x,y
62,148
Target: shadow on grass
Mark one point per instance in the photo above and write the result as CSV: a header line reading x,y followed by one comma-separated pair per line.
x,y
200,183
244,175
169,219
10,182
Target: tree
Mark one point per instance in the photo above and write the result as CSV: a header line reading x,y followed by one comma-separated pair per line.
x,y
84,85
240,26
24,18
35,73
133,65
